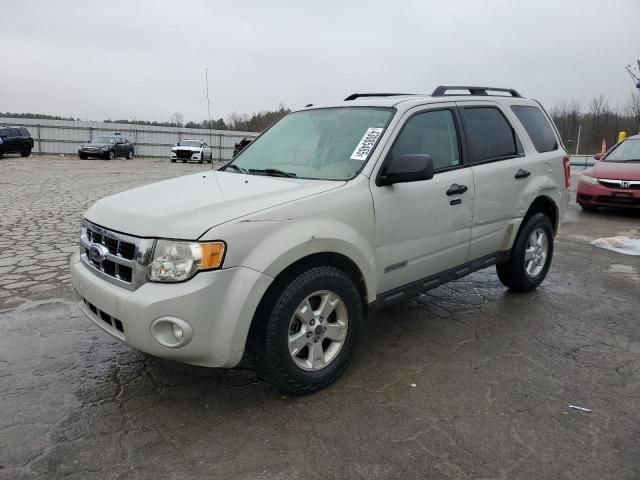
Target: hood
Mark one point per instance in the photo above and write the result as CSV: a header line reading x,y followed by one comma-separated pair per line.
x,y
617,171
184,147
186,207
97,145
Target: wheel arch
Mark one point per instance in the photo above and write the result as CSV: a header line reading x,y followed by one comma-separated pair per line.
x,y
546,205
325,258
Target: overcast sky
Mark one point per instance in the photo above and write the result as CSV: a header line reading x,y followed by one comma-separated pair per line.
x,y
146,59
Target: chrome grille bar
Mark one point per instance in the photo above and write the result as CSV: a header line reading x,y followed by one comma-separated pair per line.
x,y
105,253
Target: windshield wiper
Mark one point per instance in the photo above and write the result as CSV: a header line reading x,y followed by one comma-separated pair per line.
x,y
273,172
235,167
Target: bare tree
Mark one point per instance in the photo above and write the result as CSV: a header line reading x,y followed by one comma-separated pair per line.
x,y
177,118
566,115
599,111
632,109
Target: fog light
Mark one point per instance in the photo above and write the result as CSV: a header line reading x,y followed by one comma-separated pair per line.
x,y
171,332
177,331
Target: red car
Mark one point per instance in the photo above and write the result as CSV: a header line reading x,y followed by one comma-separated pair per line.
x,y
614,181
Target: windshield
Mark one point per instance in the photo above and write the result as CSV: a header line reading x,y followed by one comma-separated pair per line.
x,y
103,140
627,151
189,143
328,144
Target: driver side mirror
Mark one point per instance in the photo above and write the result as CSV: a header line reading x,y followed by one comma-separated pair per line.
x,y
598,156
177,144
407,168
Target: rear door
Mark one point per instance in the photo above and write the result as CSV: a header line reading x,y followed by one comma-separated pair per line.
x,y
15,140
424,228
501,171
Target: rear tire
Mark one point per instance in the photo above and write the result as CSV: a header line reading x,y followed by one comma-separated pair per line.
x,y
129,154
531,256
25,153
311,330
173,160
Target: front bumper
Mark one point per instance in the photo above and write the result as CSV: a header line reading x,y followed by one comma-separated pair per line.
x,y
194,156
92,153
218,306
601,196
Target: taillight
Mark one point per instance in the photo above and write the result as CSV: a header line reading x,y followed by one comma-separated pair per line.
x,y
567,171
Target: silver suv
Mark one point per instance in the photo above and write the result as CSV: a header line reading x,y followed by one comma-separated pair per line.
x,y
332,212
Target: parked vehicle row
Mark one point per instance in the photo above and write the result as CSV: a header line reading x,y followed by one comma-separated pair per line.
x,y
333,211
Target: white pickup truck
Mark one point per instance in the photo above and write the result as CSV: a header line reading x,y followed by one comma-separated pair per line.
x,y
333,211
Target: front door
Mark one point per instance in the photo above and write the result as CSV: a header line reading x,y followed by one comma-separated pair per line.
x,y
424,228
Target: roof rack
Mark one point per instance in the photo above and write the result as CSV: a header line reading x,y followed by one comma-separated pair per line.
x,y
442,89
353,96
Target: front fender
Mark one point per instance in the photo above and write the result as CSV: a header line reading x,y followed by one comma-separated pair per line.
x,y
284,242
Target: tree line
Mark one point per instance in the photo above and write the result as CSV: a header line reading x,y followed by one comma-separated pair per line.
x,y
254,122
599,121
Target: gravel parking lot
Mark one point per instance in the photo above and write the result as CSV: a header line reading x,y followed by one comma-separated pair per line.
x,y
467,381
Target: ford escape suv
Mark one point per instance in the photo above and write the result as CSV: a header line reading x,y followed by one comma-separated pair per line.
x,y
335,210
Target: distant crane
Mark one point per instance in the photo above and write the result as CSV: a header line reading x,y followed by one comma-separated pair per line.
x,y
634,77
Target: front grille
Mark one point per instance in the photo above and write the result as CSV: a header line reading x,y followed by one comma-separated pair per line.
x,y
617,184
184,153
121,259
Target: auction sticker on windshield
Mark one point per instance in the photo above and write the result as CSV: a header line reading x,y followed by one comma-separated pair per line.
x,y
366,144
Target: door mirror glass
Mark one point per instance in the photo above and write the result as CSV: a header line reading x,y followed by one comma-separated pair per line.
x,y
598,156
407,168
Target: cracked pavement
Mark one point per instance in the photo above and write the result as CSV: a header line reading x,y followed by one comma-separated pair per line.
x,y
494,372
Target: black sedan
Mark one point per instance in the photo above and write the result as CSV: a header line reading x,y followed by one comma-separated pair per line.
x,y
107,147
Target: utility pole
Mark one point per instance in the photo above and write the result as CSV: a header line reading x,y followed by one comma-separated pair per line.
x,y
578,141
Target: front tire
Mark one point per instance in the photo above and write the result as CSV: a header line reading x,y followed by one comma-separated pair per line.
x,y
531,256
82,156
111,155
311,331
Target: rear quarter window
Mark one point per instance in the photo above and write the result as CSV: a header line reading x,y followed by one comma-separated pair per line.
x,y
25,132
537,126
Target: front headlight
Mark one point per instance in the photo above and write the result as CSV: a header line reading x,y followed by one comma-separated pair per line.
x,y
175,261
587,179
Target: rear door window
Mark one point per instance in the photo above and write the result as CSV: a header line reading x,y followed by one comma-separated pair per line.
x,y
14,132
537,126
490,135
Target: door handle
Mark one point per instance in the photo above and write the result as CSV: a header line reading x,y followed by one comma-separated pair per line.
x,y
522,173
456,189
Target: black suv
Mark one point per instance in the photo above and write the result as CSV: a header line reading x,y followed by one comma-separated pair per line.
x,y
15,140
108,147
